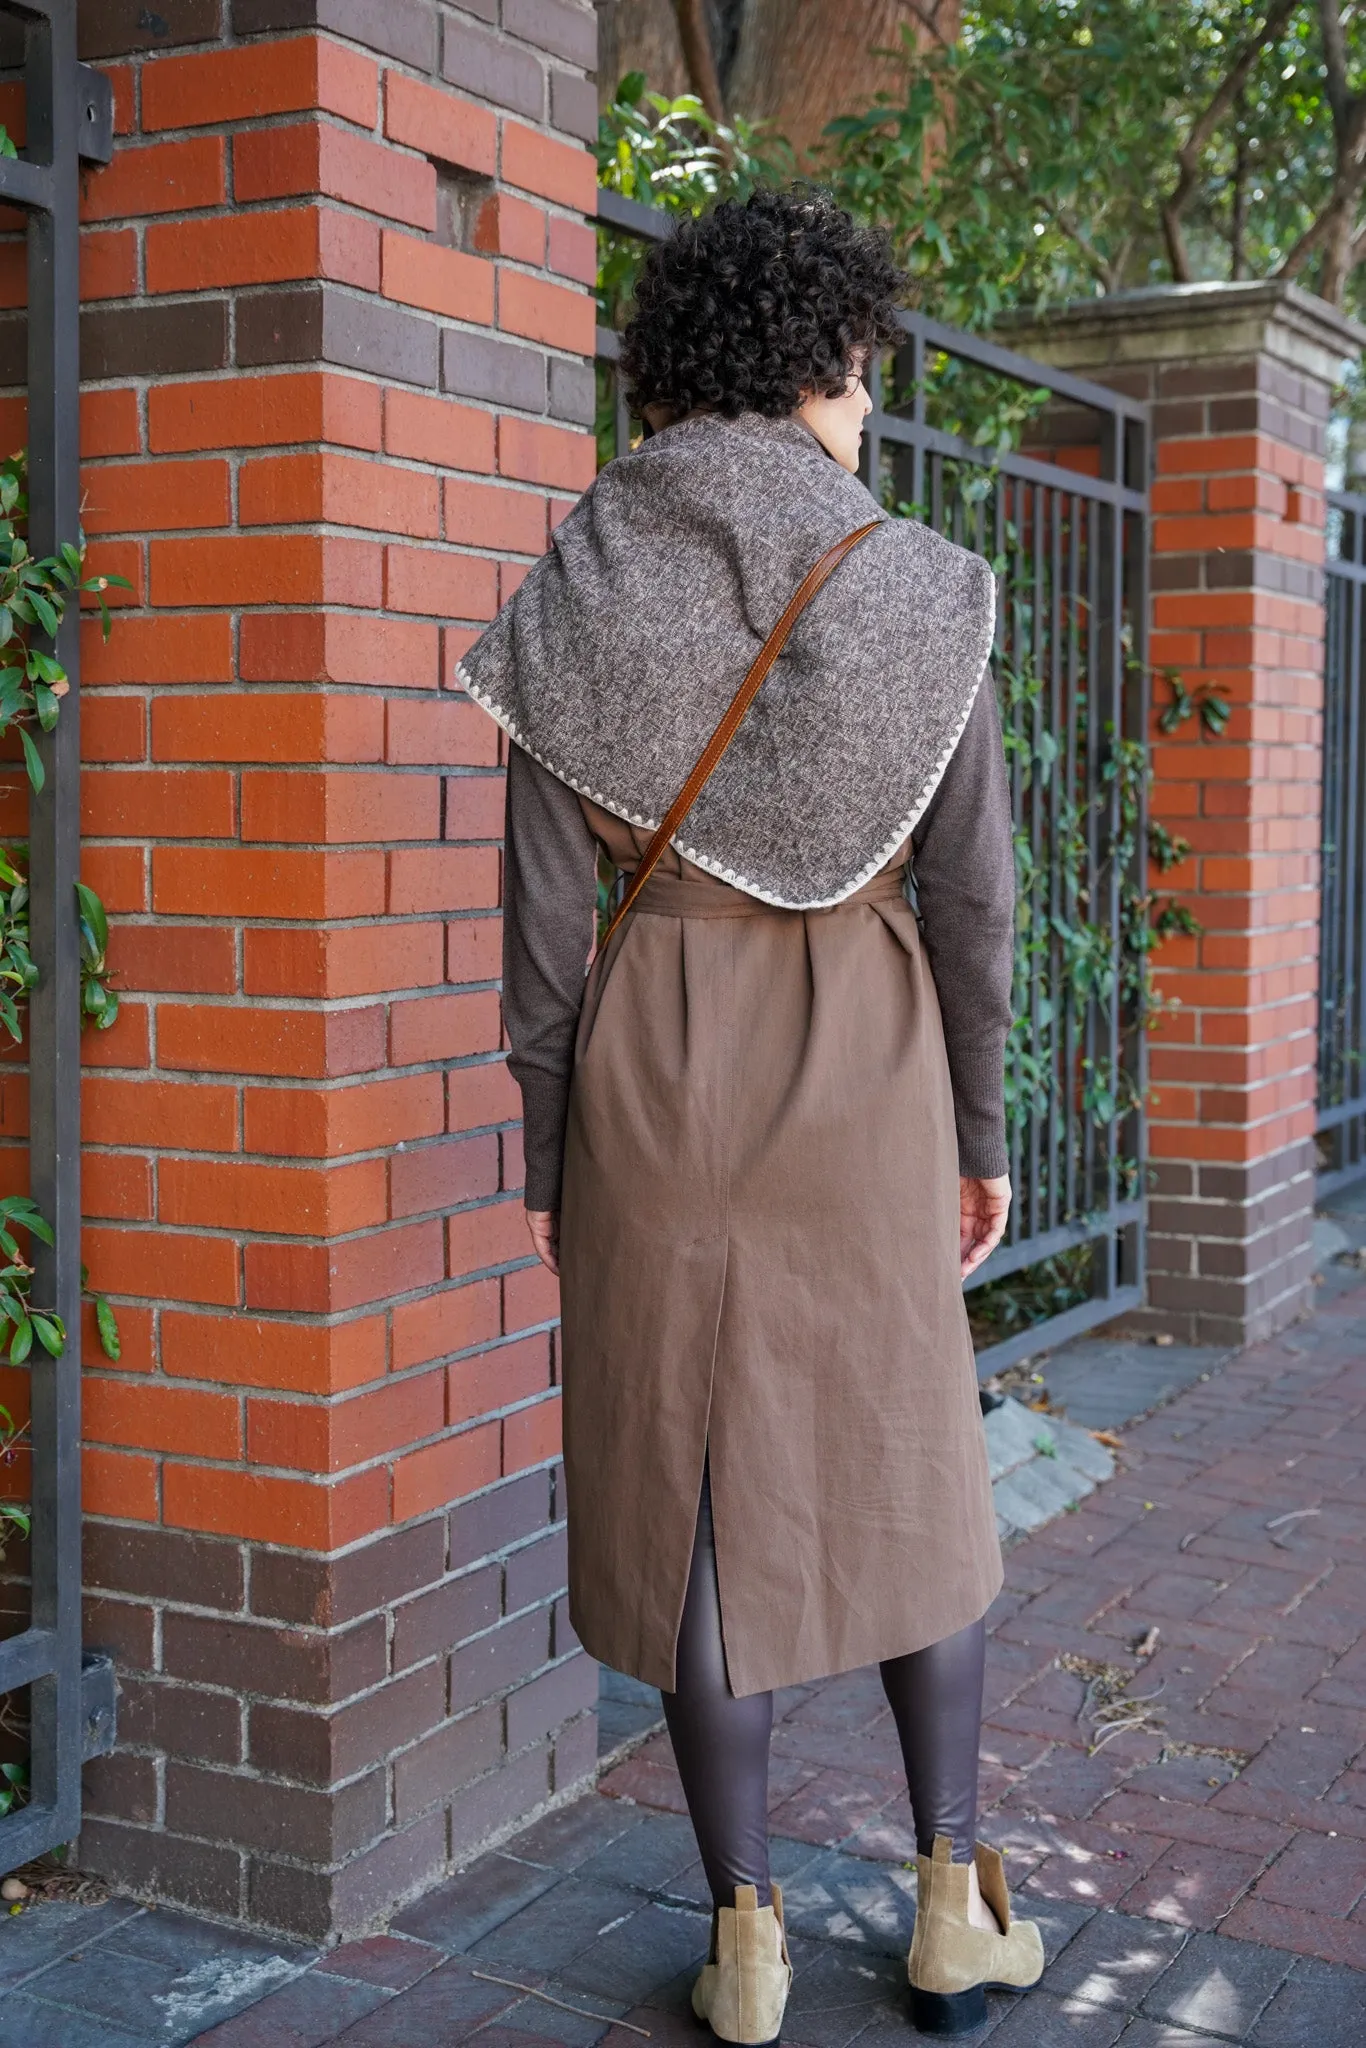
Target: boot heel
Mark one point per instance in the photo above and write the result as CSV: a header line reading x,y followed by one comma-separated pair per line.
x,y
949,2012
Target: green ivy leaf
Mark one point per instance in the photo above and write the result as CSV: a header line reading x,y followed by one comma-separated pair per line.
x,y
23,1341
49,617
34,765
51,1333
107,1325
92,910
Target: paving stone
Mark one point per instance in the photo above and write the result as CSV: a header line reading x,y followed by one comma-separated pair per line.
x,y
666,2029
1068,1784
308,2013
843,1898
1032,1494
1290,1769
27,2023
626,1961
1191,1779
51,1928
383,1959
1243,1833
787,1861
874,1752
504,2033
839,1993
1042,2021
457,1913
1319,2003
570,2022
172,2001
853,1701
569,1837
1218,1985
166,1936
1104,1382
1145,2033
647,1853
830,1808
1318,1875
645,1783
1115,1959
1305,1934
554,1928
1058,1921
441,2010
1192,1885
1093,1866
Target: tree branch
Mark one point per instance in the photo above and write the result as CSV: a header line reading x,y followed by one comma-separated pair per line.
x,y
1188,156
1335,64
695,36
1331,231
1103,272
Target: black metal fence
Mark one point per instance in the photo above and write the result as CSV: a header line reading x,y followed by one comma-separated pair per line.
x,y
1057,502
69,118
1342,979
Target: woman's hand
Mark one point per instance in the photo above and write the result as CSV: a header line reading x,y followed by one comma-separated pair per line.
x,y
983,1206
544,1225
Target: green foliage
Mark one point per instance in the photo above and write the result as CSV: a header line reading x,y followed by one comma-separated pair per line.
x,y
1034,1295
671,154
13,1786
13,1516
1030,161
17,1212
1208,701
34,592
99,1001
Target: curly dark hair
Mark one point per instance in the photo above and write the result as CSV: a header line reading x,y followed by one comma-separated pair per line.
x,y
751,306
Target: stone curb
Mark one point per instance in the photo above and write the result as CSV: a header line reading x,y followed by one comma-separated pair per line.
x,y
1040,1466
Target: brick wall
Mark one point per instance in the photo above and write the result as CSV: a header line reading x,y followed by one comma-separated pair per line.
x,y
1239,377
336,349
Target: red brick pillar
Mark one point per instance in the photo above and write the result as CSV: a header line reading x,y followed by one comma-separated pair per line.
x,y
338,383
1239,377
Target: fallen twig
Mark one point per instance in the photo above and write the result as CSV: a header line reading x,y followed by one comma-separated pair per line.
x,y
1106,1702
511,1984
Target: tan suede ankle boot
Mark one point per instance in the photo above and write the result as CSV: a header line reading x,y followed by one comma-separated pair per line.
x,y
742,1994
951,1961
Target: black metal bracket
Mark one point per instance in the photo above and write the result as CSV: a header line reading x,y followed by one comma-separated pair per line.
x,y
94,115
99,1709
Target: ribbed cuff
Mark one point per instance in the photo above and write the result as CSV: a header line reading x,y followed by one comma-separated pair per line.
x,y
978,1076
545,1107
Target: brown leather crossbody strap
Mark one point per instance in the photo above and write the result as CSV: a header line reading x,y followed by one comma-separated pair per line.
x,y
730,724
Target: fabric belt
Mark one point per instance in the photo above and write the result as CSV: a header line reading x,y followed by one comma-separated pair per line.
x,y
696,896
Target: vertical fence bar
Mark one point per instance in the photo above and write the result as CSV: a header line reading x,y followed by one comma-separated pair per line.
x,y
54,864
1342,967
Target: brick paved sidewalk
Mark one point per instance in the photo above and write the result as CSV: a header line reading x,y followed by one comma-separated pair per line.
x,y
1201,1877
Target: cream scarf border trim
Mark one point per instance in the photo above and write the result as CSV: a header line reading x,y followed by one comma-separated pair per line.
x,y
714,867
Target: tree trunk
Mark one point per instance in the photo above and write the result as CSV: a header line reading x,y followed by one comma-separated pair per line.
x,y
639,35
801,62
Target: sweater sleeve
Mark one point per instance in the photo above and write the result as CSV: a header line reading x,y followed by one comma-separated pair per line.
x,y
964,869
549,905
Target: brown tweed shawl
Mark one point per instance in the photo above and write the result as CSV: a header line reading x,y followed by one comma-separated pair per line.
x,y
622,649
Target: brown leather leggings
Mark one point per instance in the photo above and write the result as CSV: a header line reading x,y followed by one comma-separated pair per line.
x,y
721,1742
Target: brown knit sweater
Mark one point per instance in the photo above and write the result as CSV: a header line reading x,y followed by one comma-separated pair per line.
x,y
964,882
